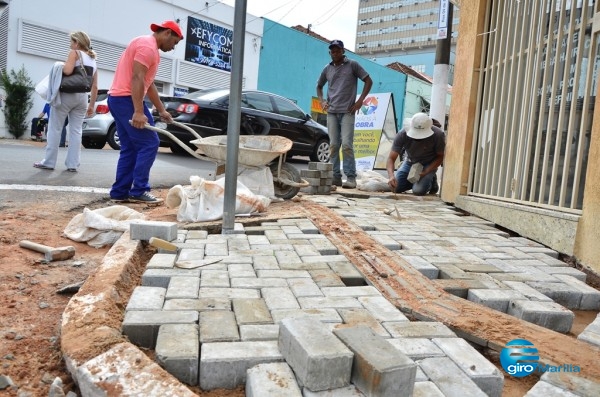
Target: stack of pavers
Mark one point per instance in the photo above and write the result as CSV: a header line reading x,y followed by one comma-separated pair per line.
x,y
250,318
283,313
319,176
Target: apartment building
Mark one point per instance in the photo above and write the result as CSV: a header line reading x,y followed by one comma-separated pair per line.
x,y
404,31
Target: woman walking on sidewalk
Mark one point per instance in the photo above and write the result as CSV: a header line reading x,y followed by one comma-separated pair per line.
x,y
75,106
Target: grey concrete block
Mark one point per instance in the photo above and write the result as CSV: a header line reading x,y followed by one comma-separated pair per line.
x,y
355,291
280,298
423,266
162,277
218,326
496,299
347,391
334,302
229,293
449,378
319,359
304,287
418,329
382,309
214,278
590,337
199,304
146,298
545,389
178,351
358,316
417,348
527,291
348,273
426,389
111,373
141,326
259,332
476,366
271,380
225,364
143,230
183,288
546,314
561,293
323,315
377,369
459,287
251,311
590,297
161,261
571,381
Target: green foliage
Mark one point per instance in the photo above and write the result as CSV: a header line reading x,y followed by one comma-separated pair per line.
x,y
18,88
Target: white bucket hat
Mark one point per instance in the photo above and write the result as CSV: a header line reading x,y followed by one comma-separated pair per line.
x,y
420,126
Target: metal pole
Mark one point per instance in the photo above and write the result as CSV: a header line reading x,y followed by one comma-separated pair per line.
x,y
233,121
442,65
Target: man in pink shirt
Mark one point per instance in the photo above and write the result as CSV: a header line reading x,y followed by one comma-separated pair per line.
x,y
134,79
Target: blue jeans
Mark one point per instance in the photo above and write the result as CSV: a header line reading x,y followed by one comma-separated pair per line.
x,y
420,188
341,135
138,150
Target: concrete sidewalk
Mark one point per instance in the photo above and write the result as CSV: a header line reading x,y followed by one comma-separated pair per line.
x,y
228,323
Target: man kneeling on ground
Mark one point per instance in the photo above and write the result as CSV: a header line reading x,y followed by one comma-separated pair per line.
x,y
424,145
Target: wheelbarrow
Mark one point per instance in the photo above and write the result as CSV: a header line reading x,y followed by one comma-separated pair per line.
x,y
254,151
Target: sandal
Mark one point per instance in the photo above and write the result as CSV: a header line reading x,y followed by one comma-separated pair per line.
x,y
42,166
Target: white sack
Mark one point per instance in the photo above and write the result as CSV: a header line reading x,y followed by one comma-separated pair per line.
x,y
102,226
372,181
203,200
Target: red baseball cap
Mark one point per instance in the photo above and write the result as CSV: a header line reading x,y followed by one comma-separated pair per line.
x,y
168,25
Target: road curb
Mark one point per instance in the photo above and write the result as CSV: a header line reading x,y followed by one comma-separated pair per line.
x,y
99,358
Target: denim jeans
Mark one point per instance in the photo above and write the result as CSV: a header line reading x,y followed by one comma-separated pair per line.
x,y
341,135
420,188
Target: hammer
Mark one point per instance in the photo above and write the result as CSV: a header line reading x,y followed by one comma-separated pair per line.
x,y
50,253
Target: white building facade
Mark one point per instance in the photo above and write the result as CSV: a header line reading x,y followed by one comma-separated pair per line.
x,y
34,34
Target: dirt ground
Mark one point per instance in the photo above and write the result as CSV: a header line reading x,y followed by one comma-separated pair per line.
x,y
31,306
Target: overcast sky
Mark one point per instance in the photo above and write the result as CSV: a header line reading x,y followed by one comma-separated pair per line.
x,y
332,19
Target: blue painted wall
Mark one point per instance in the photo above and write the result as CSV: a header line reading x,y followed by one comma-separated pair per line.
x,y
291,62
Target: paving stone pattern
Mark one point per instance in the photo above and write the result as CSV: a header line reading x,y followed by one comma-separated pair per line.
x,y
281,299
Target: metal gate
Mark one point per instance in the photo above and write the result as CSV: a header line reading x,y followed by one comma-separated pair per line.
x,y
537,89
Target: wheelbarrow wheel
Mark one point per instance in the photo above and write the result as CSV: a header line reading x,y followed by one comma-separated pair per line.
x,y
289,172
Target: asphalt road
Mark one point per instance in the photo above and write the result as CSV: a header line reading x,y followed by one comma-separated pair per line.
x,y
97,171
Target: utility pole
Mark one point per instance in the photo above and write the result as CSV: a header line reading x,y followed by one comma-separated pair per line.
x,y
235,115
442,62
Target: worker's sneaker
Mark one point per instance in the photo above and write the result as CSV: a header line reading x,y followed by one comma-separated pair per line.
x,y
145,198
435,187
119,200
350,183
337,181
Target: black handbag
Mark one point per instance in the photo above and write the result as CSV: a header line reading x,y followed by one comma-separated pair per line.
x,y
78,81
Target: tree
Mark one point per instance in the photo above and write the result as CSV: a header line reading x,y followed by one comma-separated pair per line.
x,y
18,88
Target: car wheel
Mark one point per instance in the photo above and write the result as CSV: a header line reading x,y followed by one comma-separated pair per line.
x,y
290,172
93,143
112,137
322,152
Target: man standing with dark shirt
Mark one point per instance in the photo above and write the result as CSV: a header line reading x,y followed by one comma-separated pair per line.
x,y
424,144
342,75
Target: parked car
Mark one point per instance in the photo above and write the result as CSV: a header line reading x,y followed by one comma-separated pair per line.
x,y
262,113
100,128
